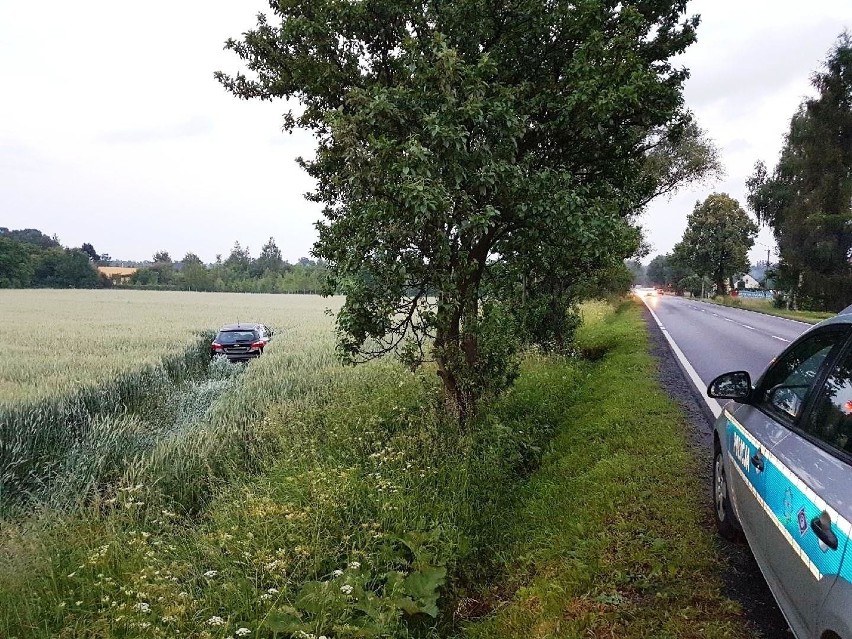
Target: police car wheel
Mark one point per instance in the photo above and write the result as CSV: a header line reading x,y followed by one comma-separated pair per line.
x,y
722,511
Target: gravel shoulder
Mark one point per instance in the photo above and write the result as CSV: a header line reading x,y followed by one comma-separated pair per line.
x,y
742,578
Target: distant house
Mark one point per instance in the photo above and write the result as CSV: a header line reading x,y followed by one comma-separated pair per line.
x,y
748,282
118,274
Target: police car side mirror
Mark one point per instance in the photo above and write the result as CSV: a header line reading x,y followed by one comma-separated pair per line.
x,y
736,386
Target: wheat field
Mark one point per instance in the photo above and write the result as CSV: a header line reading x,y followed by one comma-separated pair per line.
x,y
55,341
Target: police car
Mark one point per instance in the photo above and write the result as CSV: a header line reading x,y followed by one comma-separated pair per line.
x,y
782,475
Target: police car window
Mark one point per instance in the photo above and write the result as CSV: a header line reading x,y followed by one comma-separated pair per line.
x,y
831,418
785,386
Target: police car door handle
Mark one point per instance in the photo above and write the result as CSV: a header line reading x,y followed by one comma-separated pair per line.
x,y
757,460
822,528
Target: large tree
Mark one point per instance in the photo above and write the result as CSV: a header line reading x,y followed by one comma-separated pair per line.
x,y
807,199
667,271
458,140
269,260
718,236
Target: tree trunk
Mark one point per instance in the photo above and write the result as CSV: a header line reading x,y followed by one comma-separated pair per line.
x,y
457,356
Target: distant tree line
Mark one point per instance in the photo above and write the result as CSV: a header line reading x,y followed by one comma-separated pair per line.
x,y
239,272
31,259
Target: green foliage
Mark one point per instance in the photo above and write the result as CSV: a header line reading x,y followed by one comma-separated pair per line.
x,y
239,273
457,139
64,450
356,480
16,264
638,271
611,281
30,259
353,602
679,155
30,236
807,200
89,250
667,271
696,285
363,475
547,320
717,239
613,518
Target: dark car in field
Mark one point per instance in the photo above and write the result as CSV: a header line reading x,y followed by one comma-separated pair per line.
x,y
241,342
782,469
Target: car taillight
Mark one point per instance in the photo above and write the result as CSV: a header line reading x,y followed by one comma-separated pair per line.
x,y
258,344
216,347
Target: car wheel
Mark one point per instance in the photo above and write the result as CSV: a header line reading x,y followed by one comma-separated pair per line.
x,y
726,521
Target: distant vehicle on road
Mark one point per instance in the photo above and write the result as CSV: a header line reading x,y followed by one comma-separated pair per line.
x,y
241,342
643,291
782,475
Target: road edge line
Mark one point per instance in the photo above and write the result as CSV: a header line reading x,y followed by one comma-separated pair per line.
x,y
714,406
751,310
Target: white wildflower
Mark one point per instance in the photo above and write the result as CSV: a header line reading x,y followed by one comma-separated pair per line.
x,y
142,607
337,573
346,589
273,591
242,632
215,621
355,565
211,573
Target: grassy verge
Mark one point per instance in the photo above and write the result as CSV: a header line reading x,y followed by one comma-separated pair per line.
x,y
379,517
606,539
372,512
766,307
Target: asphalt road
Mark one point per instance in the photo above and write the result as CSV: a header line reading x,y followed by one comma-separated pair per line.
x,y
715,340
718,339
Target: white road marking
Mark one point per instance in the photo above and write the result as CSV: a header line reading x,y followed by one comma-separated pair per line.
x,y
774,317
780,338
751,328
715,407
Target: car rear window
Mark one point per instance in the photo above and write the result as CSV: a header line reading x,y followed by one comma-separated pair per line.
x,y
232,337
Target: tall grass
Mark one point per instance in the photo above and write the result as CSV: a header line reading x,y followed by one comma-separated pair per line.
x,y
55,448
358,471
309,500
158,423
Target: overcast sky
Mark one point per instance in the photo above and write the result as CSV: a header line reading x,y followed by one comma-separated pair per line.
x,y
114,132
